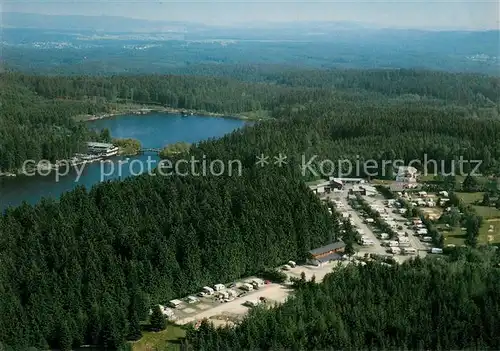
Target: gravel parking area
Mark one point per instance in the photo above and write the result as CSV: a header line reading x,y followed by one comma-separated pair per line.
x,y
273,292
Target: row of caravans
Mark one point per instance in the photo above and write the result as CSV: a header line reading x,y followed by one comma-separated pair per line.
x,y
396,250
220,291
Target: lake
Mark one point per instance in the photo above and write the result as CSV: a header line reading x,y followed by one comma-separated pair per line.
x,y
152,130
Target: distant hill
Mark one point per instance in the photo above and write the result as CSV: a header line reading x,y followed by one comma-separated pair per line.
x,y
86,23
112,45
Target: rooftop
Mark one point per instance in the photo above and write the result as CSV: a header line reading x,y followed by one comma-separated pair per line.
x,y
315,182
333,246
103,145
330,257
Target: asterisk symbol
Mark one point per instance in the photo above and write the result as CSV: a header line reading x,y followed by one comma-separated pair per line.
x,y
262,160
280,160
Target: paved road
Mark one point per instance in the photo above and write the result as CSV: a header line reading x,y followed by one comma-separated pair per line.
x,y
367,231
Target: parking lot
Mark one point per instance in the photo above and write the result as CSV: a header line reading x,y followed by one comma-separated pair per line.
x,y
234,309
230,312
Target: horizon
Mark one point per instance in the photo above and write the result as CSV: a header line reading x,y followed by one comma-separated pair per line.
x,y
423,15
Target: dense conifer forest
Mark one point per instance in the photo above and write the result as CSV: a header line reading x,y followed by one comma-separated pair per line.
x,y
86,269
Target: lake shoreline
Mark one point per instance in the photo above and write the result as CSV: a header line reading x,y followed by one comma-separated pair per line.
x,y
166,110
151,131
138,111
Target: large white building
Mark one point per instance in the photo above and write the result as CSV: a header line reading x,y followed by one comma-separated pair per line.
x,y
103,149
407,175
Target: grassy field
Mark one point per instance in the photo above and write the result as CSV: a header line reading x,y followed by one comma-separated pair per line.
x,y
168,339
455,237
486,235
469,198
430,177
487,212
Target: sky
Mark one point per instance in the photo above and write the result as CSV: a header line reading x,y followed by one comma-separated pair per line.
x,y
424,14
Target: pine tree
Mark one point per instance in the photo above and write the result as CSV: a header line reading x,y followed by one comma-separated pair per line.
x,y
486,199
349,248
134,327
157,320
65,339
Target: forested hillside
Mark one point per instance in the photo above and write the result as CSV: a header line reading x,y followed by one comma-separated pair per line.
x,y
210,93
338,130
32,127
36,110
420,305
87,269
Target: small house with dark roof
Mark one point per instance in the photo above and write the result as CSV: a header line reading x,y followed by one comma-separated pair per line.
x,y
326,253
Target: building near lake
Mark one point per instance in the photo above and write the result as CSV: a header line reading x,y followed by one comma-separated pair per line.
x,y
326,253
102,149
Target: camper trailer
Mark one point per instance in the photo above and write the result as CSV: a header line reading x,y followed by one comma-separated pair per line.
x,y
395,250
208,290
191,299
410,251
219,287
367,242
175,303
422,231
247,287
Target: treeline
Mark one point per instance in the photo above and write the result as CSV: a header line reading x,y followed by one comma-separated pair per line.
x,y
36,123
469,89
420,305
271,82
87,269
358,132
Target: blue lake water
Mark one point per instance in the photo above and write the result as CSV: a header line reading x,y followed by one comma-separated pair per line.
x,y
152,130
